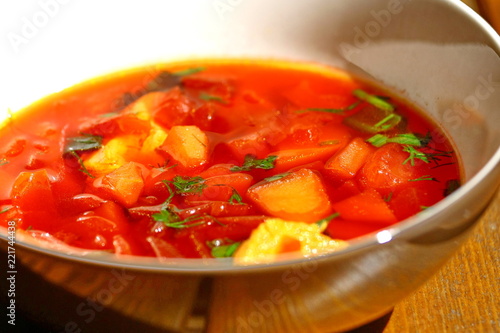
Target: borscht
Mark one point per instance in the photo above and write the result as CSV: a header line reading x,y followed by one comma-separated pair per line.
x,y
224,158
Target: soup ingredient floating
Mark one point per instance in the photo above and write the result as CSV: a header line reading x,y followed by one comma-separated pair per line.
x,y
220,159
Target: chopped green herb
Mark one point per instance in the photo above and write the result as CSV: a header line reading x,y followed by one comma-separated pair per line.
x,y
189,71
235,198
208,97
414,154
376,101
225,251
372,120
330,110
82,165
5,210
426,177
252,162
3,161
185,185
276,177
388,198
424,207
329,143
30,227
451,186
82,143
108,115
323,222
173,220
378,140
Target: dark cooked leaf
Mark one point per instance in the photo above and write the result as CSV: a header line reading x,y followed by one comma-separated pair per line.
x,y
82,143
451,186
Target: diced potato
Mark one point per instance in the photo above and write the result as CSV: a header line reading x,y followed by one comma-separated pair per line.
x,y
113,155
299,195
276,236
187,145
124,184
155,139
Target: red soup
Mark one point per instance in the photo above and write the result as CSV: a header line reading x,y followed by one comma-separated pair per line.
x,y
220,159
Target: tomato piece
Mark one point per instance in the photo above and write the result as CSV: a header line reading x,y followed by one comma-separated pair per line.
x,y
163,249
248,142
342,229
32,195
222,208
367,206
386,170
304,95
15,148
348,161
212,86
188,145
90,232
169,108
120,124
222,187
217,170
298,196
124,185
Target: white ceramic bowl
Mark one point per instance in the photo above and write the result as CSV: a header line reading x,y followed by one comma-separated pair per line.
x,y
438,54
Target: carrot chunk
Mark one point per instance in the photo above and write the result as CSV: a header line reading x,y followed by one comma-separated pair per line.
x,y
298,196
291,158
367,206
188,145
347,161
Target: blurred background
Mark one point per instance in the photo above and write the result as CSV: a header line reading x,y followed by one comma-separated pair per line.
x,y
489,9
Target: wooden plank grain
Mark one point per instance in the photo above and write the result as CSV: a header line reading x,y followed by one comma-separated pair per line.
x,y
465,295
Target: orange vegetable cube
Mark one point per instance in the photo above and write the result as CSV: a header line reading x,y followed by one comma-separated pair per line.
x,y
188,145
124,185
298,196
368,206
349,160
291,158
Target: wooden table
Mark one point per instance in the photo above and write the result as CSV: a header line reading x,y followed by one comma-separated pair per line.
x,y
465,295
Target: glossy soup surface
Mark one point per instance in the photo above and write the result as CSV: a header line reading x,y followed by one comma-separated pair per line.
x,y
219,159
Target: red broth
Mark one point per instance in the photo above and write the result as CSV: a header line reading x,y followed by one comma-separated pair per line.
x,y
181,160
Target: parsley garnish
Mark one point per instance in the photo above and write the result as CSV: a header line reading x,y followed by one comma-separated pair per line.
x,y
186,185
208,97
225,251
378,140
414,154
189,71
173,220
3,161
235,198
388,198
276,177
330,110
5,210
82,165
82,143
322,223
426,177
251,162
376,101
